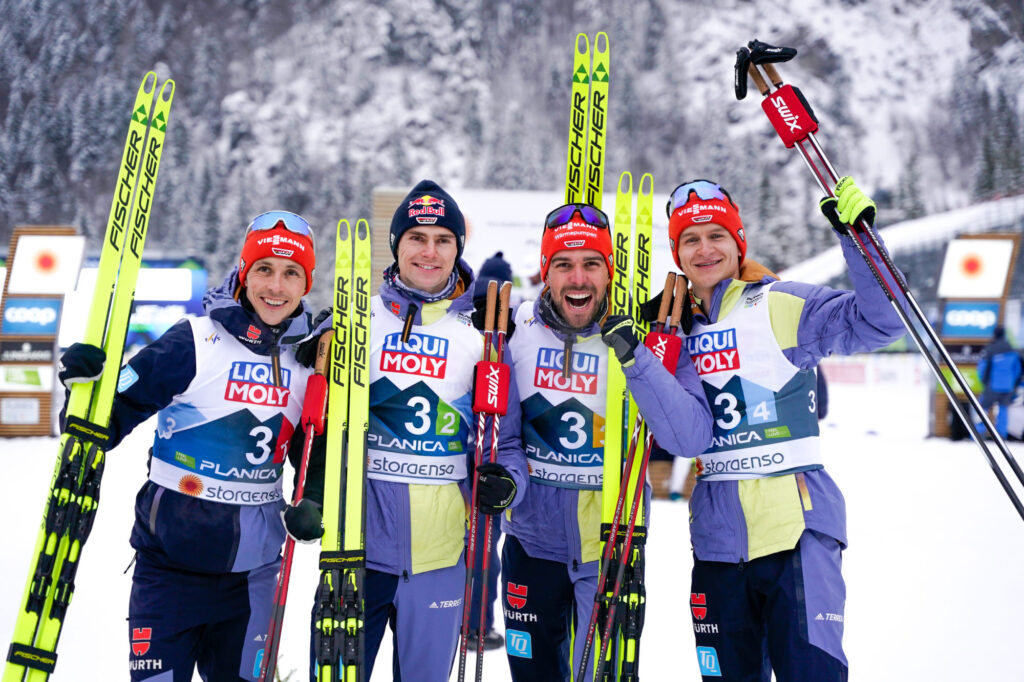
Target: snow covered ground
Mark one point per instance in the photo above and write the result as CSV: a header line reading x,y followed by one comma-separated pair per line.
x,y
935,587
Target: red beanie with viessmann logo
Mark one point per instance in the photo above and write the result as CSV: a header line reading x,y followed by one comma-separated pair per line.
x,y
698,211
277,242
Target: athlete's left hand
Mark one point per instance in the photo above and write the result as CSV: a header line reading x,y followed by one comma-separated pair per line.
x,y
305,352
848,207
303,521
618,333
495,488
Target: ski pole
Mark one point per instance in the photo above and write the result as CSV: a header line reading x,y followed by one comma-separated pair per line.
x,y
612,539
313,409
788,112
499,354
481,428
670,359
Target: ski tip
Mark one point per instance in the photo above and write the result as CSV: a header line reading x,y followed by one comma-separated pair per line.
x,y
646,184
362,228
148,85
601,45
582,39
167,91
627,178
344,229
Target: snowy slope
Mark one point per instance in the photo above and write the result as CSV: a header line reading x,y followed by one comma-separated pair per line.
x,y
932,571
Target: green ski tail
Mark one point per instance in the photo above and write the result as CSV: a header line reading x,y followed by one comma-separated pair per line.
x,y
74,489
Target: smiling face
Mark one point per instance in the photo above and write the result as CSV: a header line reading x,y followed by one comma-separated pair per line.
x,y
578,282
426,257
274,286
708,254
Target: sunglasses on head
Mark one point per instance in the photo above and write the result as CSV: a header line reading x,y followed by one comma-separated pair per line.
x,y
704,189
290,221
563,214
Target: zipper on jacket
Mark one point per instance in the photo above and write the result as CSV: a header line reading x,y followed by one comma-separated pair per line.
x,y
410,318
567,356
575,565
405,576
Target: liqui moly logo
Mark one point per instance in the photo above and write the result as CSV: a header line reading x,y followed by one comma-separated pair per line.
x,y
714,351
423,355
550,362
253,383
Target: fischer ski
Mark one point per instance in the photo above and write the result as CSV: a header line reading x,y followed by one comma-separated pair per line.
x,y
339,637
313,408
74,489
588,121
795,123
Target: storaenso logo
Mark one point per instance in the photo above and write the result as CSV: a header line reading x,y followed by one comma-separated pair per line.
x,y
594,168
360,332
145,198
123,194
576,136
340,345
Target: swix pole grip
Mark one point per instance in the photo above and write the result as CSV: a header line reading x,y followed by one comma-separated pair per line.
x,y
790,114
491,383
666,348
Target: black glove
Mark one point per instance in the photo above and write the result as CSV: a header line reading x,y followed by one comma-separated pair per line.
x,y
305,352
81,362
618,333
303,521
495,488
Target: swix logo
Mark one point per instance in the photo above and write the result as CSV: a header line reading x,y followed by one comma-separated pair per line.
x,y
140,640
791,119
253,383
253,332
549,371
493,384
714,351
516,595
422,355
426,206
699,605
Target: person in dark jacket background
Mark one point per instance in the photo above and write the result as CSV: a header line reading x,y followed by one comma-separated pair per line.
x,y
999,371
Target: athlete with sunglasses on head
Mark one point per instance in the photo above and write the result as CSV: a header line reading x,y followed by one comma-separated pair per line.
x,y
227,393
549,566
767,523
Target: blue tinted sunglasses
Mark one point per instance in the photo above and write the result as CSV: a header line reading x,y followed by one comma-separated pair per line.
x,y
290,221
704,189
564,214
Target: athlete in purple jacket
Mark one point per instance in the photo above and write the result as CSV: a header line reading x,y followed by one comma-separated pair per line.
x,y
767,524
552,544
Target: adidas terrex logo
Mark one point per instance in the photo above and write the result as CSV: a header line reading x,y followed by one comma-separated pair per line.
x,y
836,617
446,604
791,119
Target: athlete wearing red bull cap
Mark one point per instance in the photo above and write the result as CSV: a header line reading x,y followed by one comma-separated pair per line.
x,y
423,350
552,544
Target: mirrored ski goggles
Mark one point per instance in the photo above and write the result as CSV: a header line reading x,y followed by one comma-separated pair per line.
x,y
563,214
290,221
704,189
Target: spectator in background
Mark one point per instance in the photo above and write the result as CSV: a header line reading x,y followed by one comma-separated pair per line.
x,y
999,372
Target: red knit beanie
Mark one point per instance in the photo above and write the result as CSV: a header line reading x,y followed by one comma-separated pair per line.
x,y
575,234
278,242
697,211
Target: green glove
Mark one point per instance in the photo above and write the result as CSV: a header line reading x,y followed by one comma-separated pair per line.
x,y
848,206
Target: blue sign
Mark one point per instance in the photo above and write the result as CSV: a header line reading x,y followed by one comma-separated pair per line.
x,y
970,319
31,316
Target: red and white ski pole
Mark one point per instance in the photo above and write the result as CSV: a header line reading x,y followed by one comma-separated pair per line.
x,y
794,121
314,407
